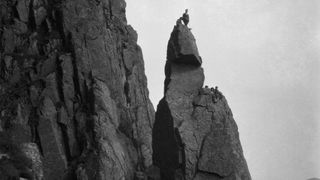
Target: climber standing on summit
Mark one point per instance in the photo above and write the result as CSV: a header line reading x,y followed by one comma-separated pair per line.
x,y
185,17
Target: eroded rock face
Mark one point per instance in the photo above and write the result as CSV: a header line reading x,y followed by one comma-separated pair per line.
x,y
73,91
194,136
182,47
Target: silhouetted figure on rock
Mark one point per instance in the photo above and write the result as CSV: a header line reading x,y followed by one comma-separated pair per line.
x,y
185,17
217,94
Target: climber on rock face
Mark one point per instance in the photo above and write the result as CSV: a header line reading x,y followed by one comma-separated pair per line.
x,y
185,17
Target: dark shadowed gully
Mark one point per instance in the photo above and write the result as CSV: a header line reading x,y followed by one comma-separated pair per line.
x,y
74,102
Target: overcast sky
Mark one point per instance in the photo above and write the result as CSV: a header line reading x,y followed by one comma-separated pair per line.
x,y
264,56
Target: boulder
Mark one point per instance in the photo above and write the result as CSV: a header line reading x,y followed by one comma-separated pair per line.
x,y
182,47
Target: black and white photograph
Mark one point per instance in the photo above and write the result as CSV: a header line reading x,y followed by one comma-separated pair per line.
x,y
159,90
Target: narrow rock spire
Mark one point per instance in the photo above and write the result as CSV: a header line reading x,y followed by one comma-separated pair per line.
x,y
194,136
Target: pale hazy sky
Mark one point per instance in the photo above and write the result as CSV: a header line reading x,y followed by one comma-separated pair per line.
x,y
265,57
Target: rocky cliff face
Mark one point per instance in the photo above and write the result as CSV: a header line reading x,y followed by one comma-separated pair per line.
x,y
195,136
74,99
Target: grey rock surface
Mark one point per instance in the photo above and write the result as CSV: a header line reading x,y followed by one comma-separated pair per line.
x,y
74,100
194,136
182,47
74,95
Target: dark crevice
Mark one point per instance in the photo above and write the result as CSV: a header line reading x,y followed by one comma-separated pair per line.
x,y
69,47
32,21
33,123
65,139
59,77
42,31
59,25
25,175
1,34
165,146
38,141
90,96
2,66
97,2
78,97
44,28
128,71
110,8
90,110
168,74
211,174
15,12
166,84
79,135
190,59
126,92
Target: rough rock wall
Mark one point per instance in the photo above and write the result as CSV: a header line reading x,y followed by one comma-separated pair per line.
x,y
74,99
195,136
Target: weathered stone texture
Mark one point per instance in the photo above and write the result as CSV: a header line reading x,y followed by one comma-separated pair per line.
x,y
182,47
72,83
74,100
194,136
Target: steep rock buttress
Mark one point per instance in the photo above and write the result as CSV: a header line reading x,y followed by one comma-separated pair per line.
x,y
74,99
194,136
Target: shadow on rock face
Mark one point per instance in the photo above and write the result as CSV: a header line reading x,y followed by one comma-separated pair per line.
x,y
165,148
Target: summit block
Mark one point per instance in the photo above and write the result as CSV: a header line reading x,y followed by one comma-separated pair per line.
x,y
182,47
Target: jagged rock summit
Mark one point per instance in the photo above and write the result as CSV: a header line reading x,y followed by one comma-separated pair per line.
x,y
182,46
194,136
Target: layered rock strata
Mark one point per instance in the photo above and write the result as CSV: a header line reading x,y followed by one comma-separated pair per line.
x,y
74,99
194,136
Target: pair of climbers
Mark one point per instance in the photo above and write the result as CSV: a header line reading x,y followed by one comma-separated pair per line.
x,y
185,18
214,91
